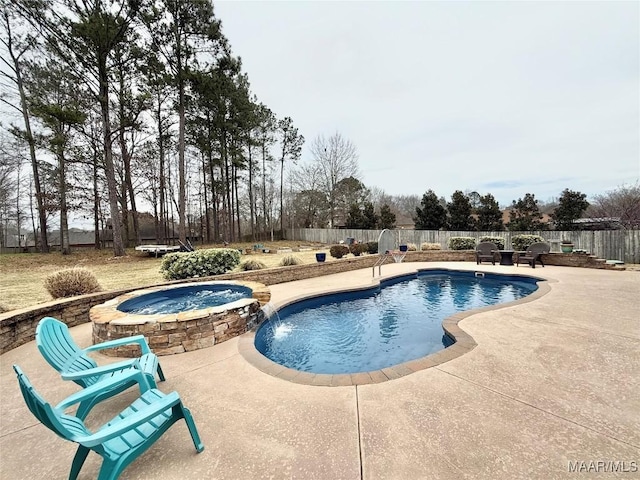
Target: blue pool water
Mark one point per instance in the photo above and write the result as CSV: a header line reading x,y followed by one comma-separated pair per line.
x,y
368,330
184,299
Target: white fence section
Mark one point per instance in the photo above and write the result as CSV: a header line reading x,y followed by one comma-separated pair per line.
x,y
608,244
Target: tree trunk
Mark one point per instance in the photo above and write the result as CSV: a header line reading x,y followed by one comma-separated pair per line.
x,y
96,202
126,160
182,233
227,187
206,203
251,204
281,194
33,219
156,221
65,246
118,247
214,199
42,214
163,183
235,182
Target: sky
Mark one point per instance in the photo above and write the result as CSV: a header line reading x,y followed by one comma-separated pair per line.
x,y
502,97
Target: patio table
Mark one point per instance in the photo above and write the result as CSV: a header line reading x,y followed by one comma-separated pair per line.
x,y
506,257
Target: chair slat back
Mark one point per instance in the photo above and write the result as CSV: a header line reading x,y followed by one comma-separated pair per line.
x,y
65,426
60,351
538,248
486,248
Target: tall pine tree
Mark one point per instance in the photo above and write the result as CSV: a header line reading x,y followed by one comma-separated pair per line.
x,y
431,215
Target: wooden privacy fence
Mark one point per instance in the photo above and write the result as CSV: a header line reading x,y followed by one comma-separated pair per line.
x,y
609,244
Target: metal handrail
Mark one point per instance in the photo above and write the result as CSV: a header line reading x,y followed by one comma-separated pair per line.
x,y
382,260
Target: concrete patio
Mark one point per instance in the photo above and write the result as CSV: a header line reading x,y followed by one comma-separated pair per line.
x,y
552,385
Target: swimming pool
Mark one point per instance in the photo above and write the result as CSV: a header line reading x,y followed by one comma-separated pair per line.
x,y
399,321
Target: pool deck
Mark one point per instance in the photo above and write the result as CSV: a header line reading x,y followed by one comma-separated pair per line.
x,y
552,384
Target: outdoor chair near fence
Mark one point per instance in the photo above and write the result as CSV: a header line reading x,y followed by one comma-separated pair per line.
x,y
533,254
486,252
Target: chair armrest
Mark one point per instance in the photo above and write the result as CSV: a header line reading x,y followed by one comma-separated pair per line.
x,y
101,386
92,372
139,339
130,422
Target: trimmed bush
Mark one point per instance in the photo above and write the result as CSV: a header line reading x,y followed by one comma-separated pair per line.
x,y
462,243
71,282
201,263
499,241
412,247
372,247
338,251
289,260
252,265
522,242
357,248
430,246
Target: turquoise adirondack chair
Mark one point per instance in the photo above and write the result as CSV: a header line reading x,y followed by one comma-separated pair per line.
x,y
62,353
120,441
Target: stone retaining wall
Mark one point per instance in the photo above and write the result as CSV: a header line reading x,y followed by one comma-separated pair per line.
x,y
578,260
166,338
18,326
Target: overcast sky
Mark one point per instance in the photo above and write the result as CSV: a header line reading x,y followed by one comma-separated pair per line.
x,y
505,98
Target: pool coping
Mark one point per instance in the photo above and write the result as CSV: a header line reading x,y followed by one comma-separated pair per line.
x,y
463,342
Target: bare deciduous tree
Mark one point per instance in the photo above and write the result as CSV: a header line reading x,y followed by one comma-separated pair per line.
x,y
623,202
337,159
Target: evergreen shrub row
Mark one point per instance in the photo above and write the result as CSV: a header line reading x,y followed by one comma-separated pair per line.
x,y
499,241
201,263
338,251
462,243
522,242
358,248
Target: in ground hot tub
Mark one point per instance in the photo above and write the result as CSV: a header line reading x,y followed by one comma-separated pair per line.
x,y
185,299
180,318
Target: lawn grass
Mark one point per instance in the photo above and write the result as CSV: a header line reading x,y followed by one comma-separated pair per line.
x,y
22,274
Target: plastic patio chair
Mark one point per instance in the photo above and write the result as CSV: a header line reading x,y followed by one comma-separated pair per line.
x,y
486,252
61,352
533,254
120,441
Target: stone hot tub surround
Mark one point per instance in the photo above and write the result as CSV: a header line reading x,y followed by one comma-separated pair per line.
x,y
171,333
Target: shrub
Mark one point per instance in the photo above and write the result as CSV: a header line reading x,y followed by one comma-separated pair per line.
x,y
357,248
338,251
71,282
252,265
430,246
201,263
499,241
372,247
412,247
462,243
289,260
522,242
